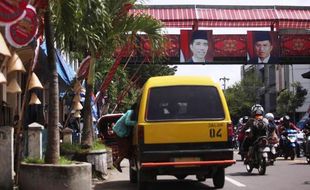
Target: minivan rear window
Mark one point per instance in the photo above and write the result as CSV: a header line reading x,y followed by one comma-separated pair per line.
x,y
184,103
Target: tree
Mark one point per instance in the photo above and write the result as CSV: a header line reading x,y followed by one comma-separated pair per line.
x,y
52,150
80,26
144,72
289,101
150,70
98,28
242,95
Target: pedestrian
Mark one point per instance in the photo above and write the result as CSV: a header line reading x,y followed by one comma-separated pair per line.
x,y
123,130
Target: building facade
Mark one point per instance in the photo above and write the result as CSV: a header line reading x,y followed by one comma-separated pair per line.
x,y
277,78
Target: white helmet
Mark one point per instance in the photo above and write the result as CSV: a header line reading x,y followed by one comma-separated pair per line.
x,y
269,116
257,109
265,120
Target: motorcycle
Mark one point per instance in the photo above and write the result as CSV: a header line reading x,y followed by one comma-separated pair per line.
x,y
241,136
289,144
258,156
307,145
272,154
235,143
301,140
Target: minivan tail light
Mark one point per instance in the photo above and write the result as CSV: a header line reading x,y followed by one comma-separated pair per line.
x,y
140,134
230,129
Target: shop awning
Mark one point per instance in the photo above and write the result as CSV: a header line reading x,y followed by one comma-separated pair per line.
x,y
65,71
184,16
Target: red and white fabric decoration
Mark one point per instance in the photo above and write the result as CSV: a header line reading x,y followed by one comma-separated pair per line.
x,y
23,31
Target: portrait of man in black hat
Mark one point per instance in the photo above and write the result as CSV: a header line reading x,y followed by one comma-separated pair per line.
x,y
263,46
199,45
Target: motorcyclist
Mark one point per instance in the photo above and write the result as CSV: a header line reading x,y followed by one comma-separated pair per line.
x,y
306,130
241,131
284,126
272,128
273,139
257,128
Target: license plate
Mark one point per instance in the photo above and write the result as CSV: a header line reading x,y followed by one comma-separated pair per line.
x,y
186,159
217,132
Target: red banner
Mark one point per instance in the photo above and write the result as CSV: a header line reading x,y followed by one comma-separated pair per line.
x,y
23,31
172,46
83,69
295,45
229,45
12,10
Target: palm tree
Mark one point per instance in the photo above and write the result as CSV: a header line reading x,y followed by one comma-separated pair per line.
x,y
52,151
80,27
99,27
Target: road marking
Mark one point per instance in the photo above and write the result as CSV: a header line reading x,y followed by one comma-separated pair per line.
x,y
237,183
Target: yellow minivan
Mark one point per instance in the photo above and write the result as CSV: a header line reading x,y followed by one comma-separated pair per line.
x,y
183,128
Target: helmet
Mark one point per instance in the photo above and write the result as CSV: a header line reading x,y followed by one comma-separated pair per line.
x,y
307,123
265,120
245,119
257,109
286,118
269,116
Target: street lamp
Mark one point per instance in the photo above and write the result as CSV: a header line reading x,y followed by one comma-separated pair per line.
x,y
224,79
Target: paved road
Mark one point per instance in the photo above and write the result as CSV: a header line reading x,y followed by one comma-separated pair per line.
x,y
284,175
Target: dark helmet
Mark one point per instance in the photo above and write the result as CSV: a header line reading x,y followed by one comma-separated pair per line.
x,y
257,109
245,119
307,123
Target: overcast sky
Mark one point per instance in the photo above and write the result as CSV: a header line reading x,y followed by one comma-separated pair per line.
x,y
218,71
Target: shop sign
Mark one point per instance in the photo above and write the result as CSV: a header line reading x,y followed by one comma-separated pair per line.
x,y
11,11
23,31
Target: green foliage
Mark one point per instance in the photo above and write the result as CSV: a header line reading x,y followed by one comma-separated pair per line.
x,y
100,28
98,146
33,160
62,161
77,148
71,148
150,70
79,24
121,80
288,101
242,95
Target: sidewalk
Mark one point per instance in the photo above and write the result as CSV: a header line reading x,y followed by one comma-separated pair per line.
x,y
113,176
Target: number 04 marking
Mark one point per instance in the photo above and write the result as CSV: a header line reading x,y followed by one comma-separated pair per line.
x,y
215,133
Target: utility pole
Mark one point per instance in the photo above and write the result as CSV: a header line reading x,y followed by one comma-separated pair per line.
x,y
224,79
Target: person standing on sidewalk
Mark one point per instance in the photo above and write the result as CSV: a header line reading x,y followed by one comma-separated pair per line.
x,y
123,130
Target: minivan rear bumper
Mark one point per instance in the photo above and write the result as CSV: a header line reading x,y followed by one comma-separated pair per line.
x,y
189,163
219,157
203,162
205,151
